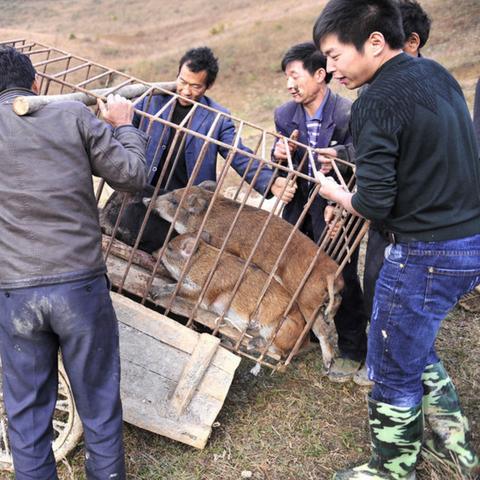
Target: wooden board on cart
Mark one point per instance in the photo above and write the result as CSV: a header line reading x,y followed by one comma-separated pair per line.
x,y
174,380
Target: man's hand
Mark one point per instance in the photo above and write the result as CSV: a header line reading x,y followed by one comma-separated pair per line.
x,y
117,112
330,189
324,156
280,151
329,215
278,186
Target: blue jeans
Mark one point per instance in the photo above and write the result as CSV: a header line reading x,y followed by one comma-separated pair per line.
x,y
418,284
35,322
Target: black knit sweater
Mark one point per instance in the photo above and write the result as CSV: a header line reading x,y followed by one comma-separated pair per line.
x,y
417,160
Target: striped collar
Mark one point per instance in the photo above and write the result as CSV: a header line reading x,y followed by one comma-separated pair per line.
x,y
318,115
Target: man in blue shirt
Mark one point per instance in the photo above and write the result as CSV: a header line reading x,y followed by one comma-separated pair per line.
x,y
172,158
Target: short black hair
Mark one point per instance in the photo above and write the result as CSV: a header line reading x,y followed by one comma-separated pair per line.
x,y
16,69
354,20
415,20
311,57
199,59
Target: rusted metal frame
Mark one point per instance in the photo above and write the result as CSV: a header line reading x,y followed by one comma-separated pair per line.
x,y
63,52
115,227
225,241
186,121
244,176
318,174
325,239
263,144
274,268
228,162
108,80
71,70
226,145
344,231
149,209
247,264
117,87
249,356
99,191
171,103
65,75
89,68
144,115
44,75
338,174
309,321
192,178
355,244
289,154
13,42
95,78
49,61
196,169
37,52
340,221
349,234
26,45
254,179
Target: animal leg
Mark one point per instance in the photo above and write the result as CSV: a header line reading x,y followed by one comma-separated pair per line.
x,y
164,291
320,330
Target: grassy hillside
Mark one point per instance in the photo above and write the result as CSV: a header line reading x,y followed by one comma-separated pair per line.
x,y
147,38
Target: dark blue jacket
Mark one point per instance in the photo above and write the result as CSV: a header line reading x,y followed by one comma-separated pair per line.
x,y
334,132
201,122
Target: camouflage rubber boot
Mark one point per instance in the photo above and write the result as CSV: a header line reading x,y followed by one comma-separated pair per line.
x,y
396,436
451,433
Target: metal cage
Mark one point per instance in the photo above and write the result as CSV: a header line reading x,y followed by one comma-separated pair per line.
x,y
137,274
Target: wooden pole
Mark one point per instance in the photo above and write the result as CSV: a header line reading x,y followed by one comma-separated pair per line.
x,y
26,105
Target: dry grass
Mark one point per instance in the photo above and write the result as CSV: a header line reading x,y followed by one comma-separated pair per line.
x,y
297,425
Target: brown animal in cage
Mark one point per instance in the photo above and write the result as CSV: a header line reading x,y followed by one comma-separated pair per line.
x,y
261,326
321,287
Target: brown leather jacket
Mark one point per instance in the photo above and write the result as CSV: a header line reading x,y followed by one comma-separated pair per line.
x,y
49,230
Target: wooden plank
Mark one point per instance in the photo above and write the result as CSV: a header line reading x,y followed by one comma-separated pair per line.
x,y
132,341
162,327
162,359
194,371
136,282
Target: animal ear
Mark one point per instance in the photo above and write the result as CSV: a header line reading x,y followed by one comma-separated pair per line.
x,y
205,236
187,246
209,185
196,204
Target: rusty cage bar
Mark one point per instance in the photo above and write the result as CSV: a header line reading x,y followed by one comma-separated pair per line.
x,y
139,274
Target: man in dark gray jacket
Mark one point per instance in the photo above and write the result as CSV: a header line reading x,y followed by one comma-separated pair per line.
x,y
320,118
53,290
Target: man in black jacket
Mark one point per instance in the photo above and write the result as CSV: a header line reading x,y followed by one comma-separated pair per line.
x,y
427,194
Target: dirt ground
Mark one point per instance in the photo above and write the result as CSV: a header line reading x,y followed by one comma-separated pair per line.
x,y
297,425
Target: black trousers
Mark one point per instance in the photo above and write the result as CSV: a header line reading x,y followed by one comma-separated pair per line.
x,y
78,318
351,319
374,256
